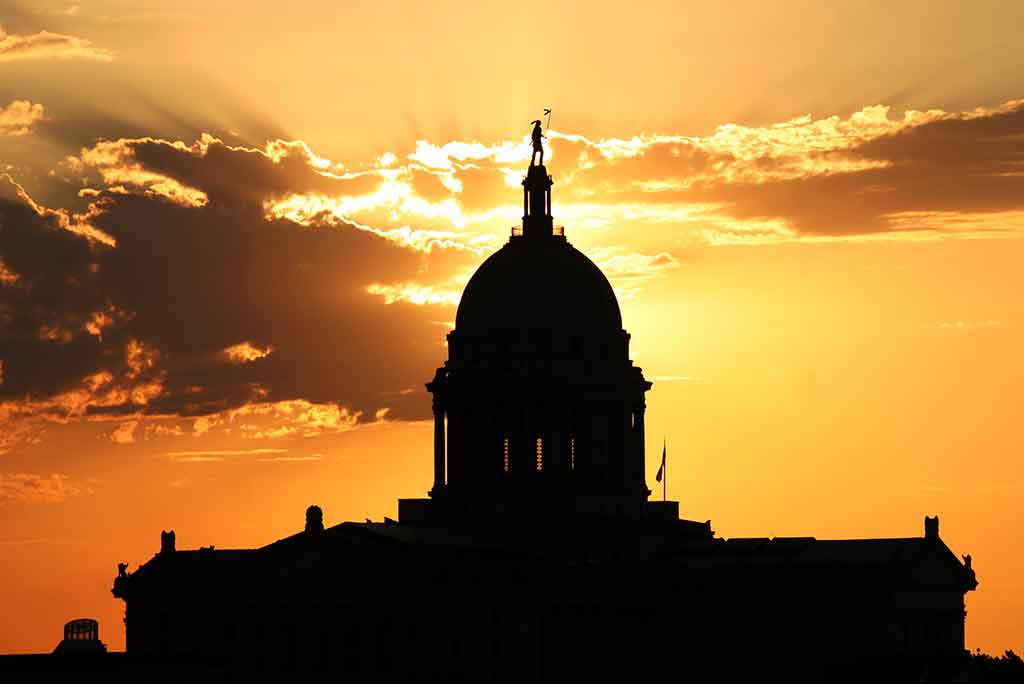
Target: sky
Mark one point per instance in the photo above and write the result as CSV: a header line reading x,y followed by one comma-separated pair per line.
x,y
233,237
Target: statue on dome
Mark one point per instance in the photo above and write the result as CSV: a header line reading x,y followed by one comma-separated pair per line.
x,y
537,145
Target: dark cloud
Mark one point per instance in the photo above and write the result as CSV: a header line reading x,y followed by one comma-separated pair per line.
x,y
957,165
965,164
228,175
238,174
54,294
202,280
986,143
184,283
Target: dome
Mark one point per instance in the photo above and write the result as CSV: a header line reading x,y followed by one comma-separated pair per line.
x,y
538,283
538,409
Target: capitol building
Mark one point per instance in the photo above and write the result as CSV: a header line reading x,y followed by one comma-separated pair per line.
x,y
538,553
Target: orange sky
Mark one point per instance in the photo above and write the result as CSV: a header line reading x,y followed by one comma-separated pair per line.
x,y
232,238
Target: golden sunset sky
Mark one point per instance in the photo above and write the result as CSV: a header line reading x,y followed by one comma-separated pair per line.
x,y
233,237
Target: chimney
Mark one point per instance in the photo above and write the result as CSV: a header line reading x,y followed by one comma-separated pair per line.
x,y
167,542
931,527
314,520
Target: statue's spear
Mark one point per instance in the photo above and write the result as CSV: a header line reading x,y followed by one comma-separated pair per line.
x,y
548,124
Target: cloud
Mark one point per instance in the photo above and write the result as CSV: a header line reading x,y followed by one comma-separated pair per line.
x,y
224,452
802,147
16,430
18,200
263,455
117,167
124,433
154,430
8,278
210,170
126,389
630,271
415,293
17,118
292,459
246,352
287,418
33,488
47,45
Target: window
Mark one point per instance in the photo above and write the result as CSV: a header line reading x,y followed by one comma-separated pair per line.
x,y
540,454
504,455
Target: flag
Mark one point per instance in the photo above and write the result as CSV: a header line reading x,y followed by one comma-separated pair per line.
x,y
661,470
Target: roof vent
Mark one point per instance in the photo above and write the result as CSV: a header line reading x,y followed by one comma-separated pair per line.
x,y
314,520
931,527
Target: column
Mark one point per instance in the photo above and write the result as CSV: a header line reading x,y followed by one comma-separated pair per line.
x,y
641,466
439,455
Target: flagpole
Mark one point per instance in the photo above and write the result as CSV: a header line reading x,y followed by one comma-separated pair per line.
x,y
662,475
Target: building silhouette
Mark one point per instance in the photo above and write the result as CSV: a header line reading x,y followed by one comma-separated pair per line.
x,y
538,554
81,635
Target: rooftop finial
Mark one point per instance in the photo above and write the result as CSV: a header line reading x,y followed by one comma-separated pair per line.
x,y
537,190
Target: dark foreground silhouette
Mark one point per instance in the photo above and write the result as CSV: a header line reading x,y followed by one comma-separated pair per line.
x,y
538,555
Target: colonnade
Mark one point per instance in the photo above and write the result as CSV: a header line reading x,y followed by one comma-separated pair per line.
x,y
587,445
